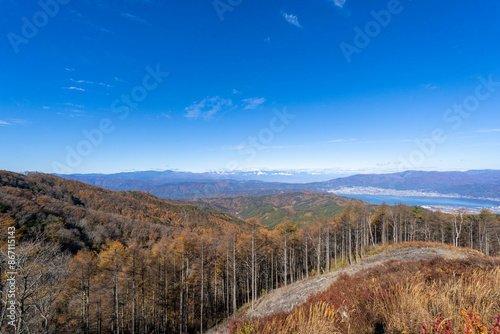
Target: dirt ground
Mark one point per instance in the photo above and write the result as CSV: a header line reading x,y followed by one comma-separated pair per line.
x,y
285,298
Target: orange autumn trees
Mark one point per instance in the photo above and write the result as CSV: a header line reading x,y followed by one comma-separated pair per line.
x,y
96,261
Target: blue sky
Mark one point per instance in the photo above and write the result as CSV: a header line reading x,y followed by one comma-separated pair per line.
x,y
235,67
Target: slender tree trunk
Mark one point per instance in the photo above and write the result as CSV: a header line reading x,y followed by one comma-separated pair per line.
x,y
318,251
134,301
181,323
328,249
215,285
202,284
350,244
371,233
306,260
356,239
335,251
234,277
117,310
227,282
187,295
253,271
285,260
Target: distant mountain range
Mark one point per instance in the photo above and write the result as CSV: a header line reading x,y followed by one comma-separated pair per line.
x,y
153,178
474,183
185,185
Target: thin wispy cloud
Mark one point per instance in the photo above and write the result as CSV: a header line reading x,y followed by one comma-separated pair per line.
x,y
73,105
253,103
69,69
207,108
488,130
339,3
75,88
235,91
120,80
12,121
82,19
90,82
429,86
292,19
167,115
341,140
18,121
134,18
81,81
261,147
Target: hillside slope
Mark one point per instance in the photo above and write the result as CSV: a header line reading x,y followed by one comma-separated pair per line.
x,y
79,215
270,210
217,188
282,301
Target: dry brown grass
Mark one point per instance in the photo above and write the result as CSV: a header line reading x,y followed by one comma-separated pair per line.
x,y
422,244
397,298
320,318
416,301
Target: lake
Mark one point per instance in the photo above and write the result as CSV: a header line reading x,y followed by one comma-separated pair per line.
x,y
416,200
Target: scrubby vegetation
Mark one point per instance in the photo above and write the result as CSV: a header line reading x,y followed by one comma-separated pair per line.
x,y
450,296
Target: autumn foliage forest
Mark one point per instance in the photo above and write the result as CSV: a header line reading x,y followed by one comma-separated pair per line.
x,y
96,261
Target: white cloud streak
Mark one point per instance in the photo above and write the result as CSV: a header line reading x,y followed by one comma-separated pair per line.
x,y
341,140
292,19
75,88
207,108
339,3
90,82
253,103
134,18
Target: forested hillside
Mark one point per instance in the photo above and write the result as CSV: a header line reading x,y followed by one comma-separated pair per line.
x,y
96,261
78,215
270,210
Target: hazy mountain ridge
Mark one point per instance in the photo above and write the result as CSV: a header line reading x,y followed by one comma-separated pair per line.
x,y
476,183
185,185
155,178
